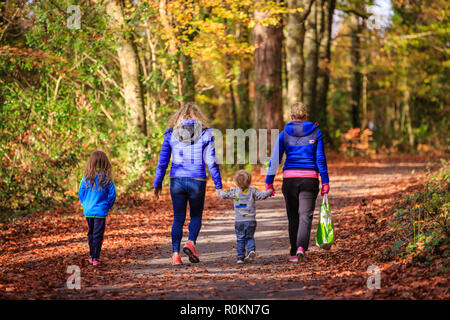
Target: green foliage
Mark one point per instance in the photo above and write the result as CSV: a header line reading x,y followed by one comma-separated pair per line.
x,y
60,99
51,109
61,91
422,220
404,61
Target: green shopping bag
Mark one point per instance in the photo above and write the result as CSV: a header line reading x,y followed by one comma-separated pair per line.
x,y
325,228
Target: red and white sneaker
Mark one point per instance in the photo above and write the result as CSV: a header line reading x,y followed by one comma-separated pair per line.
x,y
300,253
191,251
293,259
96,262
91,260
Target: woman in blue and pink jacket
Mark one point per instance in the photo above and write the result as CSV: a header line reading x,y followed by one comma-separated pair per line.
x,y
190,144
302,142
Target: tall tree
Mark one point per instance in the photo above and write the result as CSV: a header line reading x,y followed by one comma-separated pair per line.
x,y
356,75
295,36
129,66
268,104
323,74
311,51
184,64
187,77
243,88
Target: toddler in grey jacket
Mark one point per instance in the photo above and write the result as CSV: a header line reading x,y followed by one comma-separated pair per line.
x,y
244,198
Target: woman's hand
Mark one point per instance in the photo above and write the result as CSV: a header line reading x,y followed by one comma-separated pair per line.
x,y
270,187
325,188
157,193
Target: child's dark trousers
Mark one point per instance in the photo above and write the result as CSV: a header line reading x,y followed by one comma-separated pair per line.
x,y
95,235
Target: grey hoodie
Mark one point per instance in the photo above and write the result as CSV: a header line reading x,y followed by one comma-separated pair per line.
x,y
244,202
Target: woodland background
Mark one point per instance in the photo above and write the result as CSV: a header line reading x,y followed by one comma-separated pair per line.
x,y
377,84
79,75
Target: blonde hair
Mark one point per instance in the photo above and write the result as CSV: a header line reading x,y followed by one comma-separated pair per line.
x,y
189,111
243,179
299,111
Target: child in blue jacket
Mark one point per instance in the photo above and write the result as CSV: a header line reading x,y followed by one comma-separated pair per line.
x,y
97,195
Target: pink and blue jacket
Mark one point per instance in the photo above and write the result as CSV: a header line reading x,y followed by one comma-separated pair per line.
x,y
302,142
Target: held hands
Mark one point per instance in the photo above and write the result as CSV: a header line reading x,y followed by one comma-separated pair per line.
x,y
325,189
270,187
218,192
157,193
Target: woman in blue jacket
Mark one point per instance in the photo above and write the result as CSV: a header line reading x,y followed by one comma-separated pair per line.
x,y
190,144
302,142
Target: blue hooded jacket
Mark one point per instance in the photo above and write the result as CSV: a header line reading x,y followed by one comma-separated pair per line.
x,y
190,146
96,202
302,141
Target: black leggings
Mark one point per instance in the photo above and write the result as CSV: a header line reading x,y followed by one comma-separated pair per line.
x,y
300,195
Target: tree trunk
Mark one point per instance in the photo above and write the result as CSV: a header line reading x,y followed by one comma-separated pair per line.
x,y
311,49
294,49
268,104
243,87
294,54
129,67
323,74
233,105
243,94
187,78
407,111
356,78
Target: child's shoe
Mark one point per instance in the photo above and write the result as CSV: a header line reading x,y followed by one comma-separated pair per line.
x,y
240,261
293,259
91,260
96,262
176,260
250,257
300,253
191,251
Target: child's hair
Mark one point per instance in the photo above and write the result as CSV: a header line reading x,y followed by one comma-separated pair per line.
x,y
243,179
98,164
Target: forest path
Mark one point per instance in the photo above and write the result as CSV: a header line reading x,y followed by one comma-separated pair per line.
x,y
271,276
218,270
36,251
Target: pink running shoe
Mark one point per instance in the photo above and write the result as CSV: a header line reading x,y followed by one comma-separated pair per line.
x,y
176,260
300,253
293,259
191,251
91,260
96,262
